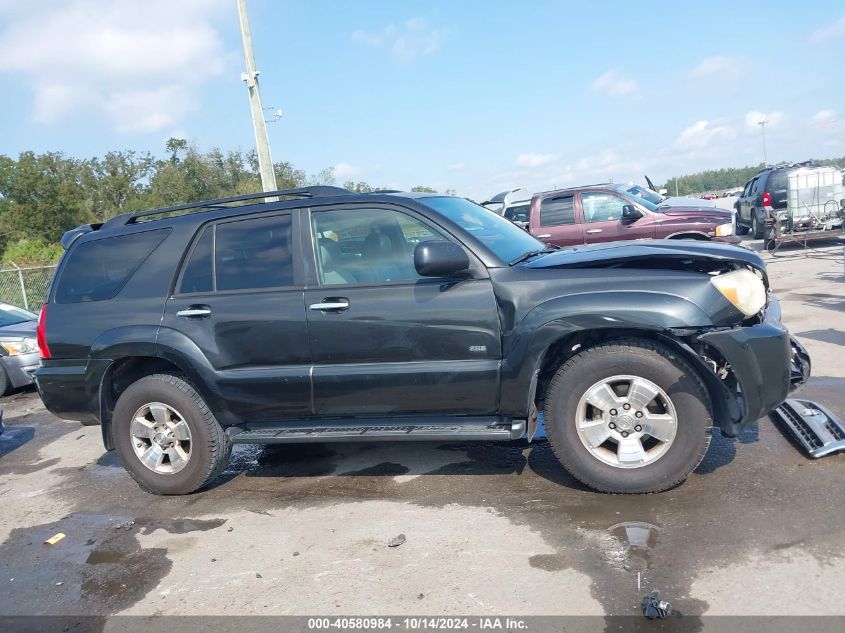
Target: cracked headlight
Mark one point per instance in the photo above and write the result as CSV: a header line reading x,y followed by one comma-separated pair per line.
x,y
742,288
16,346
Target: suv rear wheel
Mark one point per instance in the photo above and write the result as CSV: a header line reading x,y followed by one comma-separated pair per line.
x,y
756,226
168,440
628,416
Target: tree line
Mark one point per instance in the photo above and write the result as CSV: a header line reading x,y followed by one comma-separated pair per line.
x,y
44,195
721,179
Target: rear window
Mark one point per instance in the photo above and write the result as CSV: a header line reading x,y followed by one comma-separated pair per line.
x,y
99,269
557,211
778,182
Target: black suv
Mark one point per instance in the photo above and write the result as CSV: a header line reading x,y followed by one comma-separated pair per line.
x,y
322,315
761,197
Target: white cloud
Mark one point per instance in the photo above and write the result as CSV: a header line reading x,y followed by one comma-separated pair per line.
x,y
406,42
702,135
140,64
345,170
534,160
718,67
829,32
826,121
772,119
456,166
614,85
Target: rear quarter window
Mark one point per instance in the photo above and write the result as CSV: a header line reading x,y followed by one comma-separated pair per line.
x,y
99,269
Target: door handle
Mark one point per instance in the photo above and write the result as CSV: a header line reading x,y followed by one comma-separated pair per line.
x,y
594,230
195,311
543,236
331,304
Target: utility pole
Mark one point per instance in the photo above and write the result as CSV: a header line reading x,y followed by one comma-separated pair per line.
x,y
762,125
262,144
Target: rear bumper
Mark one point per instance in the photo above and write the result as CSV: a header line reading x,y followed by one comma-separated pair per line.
x,y
20,368
766,362
70,389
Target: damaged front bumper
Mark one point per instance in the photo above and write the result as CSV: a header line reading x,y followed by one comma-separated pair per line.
x,y
767,364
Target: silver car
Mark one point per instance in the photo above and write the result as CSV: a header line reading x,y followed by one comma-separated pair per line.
x,y
19,355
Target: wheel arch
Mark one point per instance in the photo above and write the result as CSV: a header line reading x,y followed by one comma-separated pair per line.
x,y
723,404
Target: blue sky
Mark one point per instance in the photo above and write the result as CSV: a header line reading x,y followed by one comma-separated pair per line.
x,y
474,96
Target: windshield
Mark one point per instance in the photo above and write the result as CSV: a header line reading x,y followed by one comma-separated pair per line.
x,y
643,193
505,239
631,192
10,315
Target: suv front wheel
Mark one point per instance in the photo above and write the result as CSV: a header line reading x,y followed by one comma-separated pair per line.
x,y
167,438
628,416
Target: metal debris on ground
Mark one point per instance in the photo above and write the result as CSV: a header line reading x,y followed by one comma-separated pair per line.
x,y
54,539
655,609
396,541
818,431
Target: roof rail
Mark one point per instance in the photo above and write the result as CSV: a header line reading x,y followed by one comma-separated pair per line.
x,y
222,203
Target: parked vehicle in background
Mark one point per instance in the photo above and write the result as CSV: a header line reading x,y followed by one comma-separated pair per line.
x,y
18,347
610,212
334,316
709,196
512,205
662,199
766,196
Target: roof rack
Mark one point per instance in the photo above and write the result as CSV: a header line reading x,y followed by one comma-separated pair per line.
x,y
222,203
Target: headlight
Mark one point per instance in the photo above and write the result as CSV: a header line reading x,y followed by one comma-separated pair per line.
x,y
724,230
15,346
742,288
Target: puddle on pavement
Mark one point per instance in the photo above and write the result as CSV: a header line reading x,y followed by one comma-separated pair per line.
x,y
99,568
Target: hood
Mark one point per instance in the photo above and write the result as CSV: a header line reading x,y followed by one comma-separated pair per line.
x,y
681,201
19,330
685,255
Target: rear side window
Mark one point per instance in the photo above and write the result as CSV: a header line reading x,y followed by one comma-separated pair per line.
x,y
198,271
557,211
99,269
253,254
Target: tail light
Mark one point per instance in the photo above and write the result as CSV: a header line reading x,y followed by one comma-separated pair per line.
x,y
41,332
767,199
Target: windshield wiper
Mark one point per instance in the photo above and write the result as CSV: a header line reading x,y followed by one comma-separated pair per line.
x,y
530,254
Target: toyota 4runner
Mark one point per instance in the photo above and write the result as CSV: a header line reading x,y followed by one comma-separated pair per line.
x,y
322,315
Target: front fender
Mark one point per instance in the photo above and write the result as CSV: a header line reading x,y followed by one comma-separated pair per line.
x,y
525,346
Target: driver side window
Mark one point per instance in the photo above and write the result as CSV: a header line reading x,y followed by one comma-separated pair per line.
x,y
601,207
355,246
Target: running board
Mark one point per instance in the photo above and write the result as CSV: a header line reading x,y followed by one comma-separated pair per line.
x,y
448,430
816,429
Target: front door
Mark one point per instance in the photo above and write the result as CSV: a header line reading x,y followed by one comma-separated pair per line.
x,y
603,221
385,340
239,300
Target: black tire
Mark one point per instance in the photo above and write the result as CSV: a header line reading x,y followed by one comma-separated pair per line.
x,y
757,227
210,446
649,360
742,229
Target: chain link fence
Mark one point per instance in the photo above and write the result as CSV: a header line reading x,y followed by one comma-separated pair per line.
x,y
25,287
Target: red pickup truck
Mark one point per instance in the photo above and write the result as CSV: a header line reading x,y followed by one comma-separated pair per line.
x,y
608,212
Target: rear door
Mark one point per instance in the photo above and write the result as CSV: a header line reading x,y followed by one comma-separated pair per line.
x,y
556,222
385,340
603,222
239,300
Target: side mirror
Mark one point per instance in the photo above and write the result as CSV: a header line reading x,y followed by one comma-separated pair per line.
x,y
439,258
630,212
